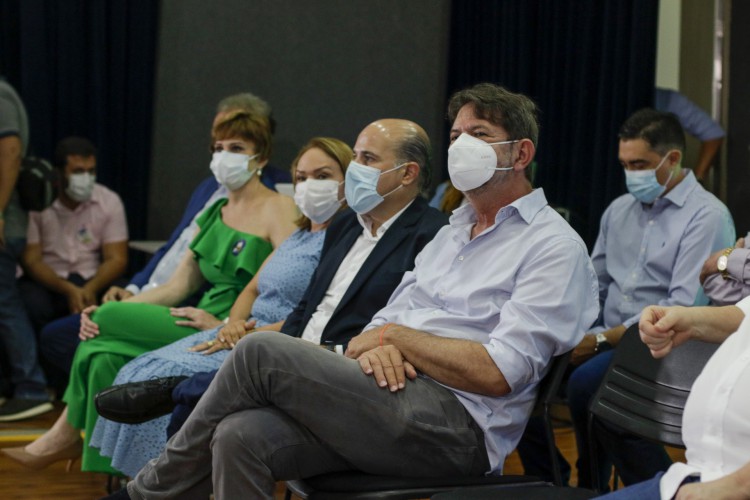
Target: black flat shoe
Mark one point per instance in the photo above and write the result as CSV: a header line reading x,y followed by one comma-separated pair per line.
x,y
137,402
118,495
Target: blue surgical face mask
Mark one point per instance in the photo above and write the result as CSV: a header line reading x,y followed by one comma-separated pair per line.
x,y
361,187
643,183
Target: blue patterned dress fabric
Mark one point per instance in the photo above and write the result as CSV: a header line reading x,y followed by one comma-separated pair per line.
x,y
281,284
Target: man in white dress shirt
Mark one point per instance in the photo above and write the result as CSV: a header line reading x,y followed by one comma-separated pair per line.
x,y
442,380
716,420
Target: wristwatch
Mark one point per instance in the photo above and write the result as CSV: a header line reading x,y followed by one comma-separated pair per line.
x,y
723,262
601,341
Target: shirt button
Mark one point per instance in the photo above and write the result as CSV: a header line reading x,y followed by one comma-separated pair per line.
x,y
651,222
461,257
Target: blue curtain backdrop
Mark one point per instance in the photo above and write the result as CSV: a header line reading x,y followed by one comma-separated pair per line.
x,y
588,64
86,67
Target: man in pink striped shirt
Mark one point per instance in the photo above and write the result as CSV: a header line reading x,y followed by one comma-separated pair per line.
x,y
78,246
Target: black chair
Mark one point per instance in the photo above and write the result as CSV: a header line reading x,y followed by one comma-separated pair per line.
x,y
646,396
361,486
548,395
520,492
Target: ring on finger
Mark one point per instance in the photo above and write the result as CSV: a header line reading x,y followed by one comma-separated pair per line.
x,y
210,343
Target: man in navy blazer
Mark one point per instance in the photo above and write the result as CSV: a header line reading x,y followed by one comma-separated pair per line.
x,y
379,275
332,311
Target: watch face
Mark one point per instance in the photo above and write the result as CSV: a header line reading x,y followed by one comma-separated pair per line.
x,y
722,263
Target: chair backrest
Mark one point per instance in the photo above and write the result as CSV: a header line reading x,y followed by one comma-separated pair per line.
x,y
546,396
646,396
550,384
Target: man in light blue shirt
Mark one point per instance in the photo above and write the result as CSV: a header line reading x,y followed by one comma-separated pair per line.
x,y
651,247
443,379
517,298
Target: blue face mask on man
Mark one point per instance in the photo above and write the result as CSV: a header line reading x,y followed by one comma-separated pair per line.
x,y
361,186
643,183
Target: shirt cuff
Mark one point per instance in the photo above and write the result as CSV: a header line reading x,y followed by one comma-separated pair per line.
x,y
672,480
736,263
375,323
631,321
134,289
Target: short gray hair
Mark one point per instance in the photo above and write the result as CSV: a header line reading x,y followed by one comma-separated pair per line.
x,y
246,102
250,103
416,147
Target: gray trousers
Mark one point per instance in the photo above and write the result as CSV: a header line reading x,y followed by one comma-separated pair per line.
x,y
281,408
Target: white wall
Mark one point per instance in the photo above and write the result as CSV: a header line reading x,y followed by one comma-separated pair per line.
x,y
668,44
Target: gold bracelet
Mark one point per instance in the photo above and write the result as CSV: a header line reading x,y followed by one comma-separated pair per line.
x,y
725,272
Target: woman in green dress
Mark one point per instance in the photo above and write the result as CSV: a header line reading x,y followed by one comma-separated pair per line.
x,y
235,236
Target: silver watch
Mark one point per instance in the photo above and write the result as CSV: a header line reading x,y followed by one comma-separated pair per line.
x,y
600,339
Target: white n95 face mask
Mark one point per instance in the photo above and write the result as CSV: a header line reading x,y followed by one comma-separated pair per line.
x,y
472,162
80,186
230,169
318,199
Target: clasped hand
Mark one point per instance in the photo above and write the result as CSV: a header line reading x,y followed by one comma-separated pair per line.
x,y
384,362
388,366
79,298
227,337
88,329
664,328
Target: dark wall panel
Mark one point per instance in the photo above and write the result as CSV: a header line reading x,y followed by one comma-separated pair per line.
x,y
738,131
326,67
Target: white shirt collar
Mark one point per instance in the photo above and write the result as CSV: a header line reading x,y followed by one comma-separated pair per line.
x,y
367,225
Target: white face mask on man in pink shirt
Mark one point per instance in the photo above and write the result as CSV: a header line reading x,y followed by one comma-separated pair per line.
x,y
80,186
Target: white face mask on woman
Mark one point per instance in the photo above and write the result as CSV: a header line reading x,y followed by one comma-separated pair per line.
x,y
230,169
80,186
318,199
472,162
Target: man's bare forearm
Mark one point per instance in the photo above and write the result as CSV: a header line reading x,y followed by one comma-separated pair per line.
x,y
109,271
40,272
706,156
462,364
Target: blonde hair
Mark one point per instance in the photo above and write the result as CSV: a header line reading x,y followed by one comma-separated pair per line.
x,y
335,149
452,199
